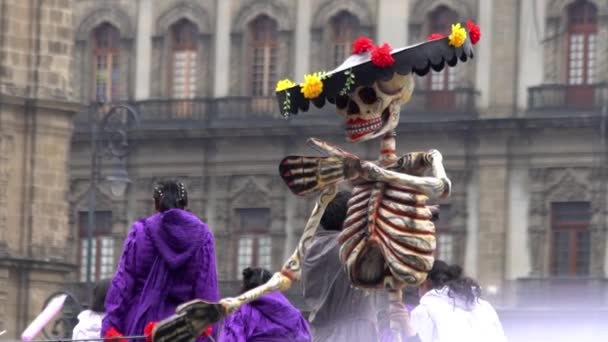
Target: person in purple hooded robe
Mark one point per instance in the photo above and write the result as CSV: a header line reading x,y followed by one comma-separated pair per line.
x,y
167,259
272,318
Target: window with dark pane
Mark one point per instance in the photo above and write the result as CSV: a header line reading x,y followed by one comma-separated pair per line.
x,y
263,40
344,30
444,235
440,21
103,247
106,48
184,54
570,238
582,43
254,241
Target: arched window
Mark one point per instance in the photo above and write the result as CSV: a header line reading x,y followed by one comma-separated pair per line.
x,y
254,241
582,40
344,27
183,60
445,248
263,38
106,55
570,238
440,21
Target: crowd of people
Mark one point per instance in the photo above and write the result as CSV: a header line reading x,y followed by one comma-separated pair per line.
x,y
169,258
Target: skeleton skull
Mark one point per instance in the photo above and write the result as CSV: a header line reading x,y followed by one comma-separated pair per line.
x,y
371,111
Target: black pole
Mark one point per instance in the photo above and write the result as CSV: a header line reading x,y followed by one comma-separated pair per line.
x,y
92,204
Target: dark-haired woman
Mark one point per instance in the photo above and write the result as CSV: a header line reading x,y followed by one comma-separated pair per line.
x,y
167,259
451,309
270,318
89,321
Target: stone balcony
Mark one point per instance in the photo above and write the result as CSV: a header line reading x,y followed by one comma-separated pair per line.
x,y
424,106
563,99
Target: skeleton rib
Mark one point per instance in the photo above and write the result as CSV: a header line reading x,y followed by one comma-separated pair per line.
x,y
413,242
405,197
399,209
359,196
407,223
419,261
361,206
355,216
352,228
362,187
352,246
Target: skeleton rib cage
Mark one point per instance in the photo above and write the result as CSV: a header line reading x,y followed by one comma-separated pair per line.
x,y
388,232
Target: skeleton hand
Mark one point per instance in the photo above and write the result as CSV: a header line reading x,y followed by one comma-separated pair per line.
x,y
230,304
304,175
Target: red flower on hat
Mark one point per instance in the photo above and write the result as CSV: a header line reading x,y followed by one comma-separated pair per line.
x,y
148,330
474,31
435,36
382,57
361,45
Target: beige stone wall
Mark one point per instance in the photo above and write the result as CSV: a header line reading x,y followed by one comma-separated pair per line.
x,y
36,47
36,40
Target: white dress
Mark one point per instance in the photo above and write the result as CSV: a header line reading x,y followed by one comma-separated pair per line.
x,y
89,325
440,318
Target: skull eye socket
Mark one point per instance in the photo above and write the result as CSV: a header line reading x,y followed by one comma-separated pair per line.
x,y
341,102
353,108
368,95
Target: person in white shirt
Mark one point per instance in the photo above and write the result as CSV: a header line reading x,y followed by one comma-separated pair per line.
x,y
451,309
89,321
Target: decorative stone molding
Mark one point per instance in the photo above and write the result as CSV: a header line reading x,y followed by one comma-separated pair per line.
x,y
329,8
421,9
115,15
557,8
273,8
549,185
189,10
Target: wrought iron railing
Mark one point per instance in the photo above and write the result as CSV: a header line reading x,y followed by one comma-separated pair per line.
x,y
240,110
564,97
456,101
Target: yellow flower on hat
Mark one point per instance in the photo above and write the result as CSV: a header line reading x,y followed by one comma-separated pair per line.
x,y
284,84
458,35
313,85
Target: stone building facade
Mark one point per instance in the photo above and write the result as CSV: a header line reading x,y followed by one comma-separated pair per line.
x,y
520,127
36,113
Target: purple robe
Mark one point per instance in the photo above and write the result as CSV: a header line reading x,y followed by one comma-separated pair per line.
x,y
167,259
270,318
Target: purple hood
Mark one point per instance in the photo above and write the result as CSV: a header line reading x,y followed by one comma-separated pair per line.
x,y
176,234
270,318
168,259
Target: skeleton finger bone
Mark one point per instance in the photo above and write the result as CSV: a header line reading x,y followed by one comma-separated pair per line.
x,y
329,149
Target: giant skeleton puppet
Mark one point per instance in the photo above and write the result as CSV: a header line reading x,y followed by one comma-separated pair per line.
x,y
388,238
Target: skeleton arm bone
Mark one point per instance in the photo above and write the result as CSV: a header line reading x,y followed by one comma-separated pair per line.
x,y
292,269
434,186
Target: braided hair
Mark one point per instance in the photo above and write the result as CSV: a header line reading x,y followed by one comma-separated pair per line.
x,y
170,194
451,276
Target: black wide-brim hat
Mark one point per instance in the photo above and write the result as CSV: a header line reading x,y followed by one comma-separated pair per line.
x,y
362,70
